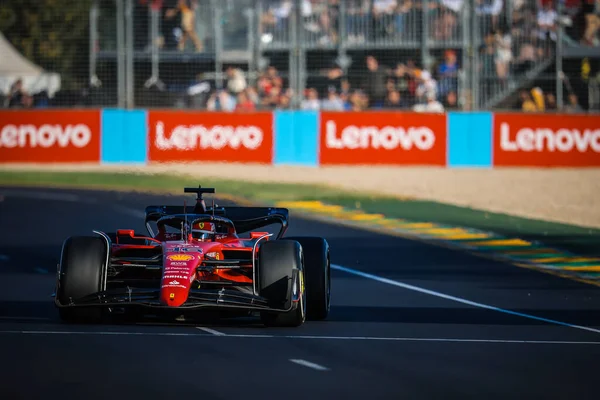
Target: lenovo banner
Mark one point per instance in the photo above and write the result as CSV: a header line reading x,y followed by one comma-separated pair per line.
x,y
210,136
546,140
393,138
49,136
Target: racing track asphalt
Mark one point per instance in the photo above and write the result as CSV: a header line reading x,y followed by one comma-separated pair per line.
x,y
385,338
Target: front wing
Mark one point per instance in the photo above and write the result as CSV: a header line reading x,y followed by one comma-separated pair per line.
x,y
198,299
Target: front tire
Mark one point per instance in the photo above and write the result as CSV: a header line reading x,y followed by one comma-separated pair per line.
x,y
318,275
280,275
80,274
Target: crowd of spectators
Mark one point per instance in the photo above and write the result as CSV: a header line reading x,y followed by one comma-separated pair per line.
x,y
516,36
536,100
376,19
402,87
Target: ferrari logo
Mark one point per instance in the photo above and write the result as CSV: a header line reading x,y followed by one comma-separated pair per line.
x,y
180,257
201,225
172,296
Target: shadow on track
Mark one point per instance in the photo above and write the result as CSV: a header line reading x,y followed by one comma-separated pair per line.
x,y
33,312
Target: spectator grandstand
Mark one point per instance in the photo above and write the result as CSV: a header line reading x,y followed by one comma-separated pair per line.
x,y
424,55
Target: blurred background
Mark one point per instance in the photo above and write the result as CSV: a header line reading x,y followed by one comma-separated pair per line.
x,y
227,55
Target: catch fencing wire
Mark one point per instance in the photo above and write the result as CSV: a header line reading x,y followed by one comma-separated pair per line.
x,y
290,54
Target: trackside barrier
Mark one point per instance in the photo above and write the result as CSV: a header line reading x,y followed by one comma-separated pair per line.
x,y
124,136
45,136
309,138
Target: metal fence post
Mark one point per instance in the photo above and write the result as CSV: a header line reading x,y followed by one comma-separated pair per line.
x,y
154,35
218,13
252,46
343,36
468,57
94,13
559,56
120,55
129,54
425,56
293,55
475,81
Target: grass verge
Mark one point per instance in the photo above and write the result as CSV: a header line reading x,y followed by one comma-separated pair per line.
x,y
578,239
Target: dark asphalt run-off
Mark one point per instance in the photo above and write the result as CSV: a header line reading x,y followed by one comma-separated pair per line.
x,y
408,320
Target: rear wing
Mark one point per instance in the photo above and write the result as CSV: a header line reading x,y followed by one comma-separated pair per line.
x,y
245,219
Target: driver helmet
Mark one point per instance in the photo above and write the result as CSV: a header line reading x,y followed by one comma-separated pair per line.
x,y
203,230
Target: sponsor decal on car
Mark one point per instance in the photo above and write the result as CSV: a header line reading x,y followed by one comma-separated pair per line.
x,y
181,249
170,285
49,136
175,263
180,257
176,270
546,140
383,138
176,276
180,136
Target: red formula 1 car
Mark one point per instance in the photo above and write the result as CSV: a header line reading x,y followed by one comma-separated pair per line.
x,y
214,258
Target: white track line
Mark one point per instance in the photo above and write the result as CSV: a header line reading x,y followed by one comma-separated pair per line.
x,y
457,299
300,337
309,364
211,331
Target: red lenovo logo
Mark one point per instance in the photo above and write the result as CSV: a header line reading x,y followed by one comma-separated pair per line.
x,y
201,137
546,140
210,136
45,136
388,137
50,136
380,137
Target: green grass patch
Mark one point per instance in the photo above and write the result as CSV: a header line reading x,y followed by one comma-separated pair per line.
x,y
570,237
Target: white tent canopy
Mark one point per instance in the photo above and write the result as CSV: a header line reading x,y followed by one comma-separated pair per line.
x,y
14,66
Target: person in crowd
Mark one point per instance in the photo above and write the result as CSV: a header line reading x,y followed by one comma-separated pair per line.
x,y
550,101
311,102
16,94
432,105
448,73
573,104
332,102
244,103
374,82
220,100
187,8
236,81
451,101
527,103
590,11
394,101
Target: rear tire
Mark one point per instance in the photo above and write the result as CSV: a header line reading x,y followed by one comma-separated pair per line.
x,y
81,273
318,275
280,272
